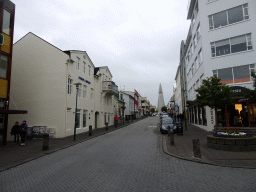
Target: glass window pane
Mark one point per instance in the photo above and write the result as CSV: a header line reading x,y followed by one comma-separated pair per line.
x,y
222,47
220,19
6,22
238,44
241,74
3,66
235,15
225,75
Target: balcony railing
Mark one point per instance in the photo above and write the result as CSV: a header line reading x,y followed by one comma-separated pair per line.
x,y
109,87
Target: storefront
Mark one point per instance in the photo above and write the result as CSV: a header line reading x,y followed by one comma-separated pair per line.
x,y
241,114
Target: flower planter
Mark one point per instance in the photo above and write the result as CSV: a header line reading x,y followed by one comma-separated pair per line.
x,y
232,144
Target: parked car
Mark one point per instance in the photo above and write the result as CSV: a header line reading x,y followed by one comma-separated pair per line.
x,y
167,122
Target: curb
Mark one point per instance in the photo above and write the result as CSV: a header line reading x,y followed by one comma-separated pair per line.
x,y
197,160
44,153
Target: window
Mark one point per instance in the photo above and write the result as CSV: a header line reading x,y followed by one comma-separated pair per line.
x,y
193,69
200,57
79,91
84,67
77,123
252,70
189,54
89,70
84,118
232,45
197,83
191,48
201,79
196,64
198,32
77,63
194,42
3,66
6,22
70,82
84,91
237,74
91,98
229,16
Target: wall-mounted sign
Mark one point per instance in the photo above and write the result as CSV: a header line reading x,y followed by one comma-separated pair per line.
x,y
81,78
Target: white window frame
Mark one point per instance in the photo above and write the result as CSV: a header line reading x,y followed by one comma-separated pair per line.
x,y
84,64
70,84
89,70
91,94
84,91
77,63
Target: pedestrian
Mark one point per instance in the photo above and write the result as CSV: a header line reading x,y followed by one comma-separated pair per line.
x,y
23,132
16,132
116,120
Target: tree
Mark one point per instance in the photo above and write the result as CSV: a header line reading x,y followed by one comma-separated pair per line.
x,y
153,110
252,93
214,94
164,109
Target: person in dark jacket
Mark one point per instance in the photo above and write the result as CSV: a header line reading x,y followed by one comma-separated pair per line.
x,y
23,132
16,132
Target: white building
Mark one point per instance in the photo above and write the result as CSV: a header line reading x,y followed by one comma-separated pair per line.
x,y
221,41
177,93
43,78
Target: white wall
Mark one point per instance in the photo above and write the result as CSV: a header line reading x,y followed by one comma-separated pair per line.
x,y
38,84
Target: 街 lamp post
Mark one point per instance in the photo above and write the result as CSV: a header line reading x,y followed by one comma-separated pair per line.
x,y
77,89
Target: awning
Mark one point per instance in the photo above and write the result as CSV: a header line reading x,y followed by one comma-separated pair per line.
x,y
4,111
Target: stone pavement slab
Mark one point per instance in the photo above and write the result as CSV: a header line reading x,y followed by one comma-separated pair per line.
x,y
14,154
184,148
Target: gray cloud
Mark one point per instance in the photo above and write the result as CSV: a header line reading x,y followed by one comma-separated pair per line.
x,y
138,40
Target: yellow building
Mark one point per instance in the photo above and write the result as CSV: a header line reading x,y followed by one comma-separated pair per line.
x,y
7,12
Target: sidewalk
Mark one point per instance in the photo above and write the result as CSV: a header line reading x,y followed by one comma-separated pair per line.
x,y
183,148
14,154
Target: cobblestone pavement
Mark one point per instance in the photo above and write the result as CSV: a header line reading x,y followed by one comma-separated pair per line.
x,y
129,159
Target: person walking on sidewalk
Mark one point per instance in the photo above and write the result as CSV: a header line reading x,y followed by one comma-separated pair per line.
x,y
23,132
116,121
16,132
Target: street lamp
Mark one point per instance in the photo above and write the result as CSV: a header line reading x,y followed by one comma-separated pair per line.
x,y
77,87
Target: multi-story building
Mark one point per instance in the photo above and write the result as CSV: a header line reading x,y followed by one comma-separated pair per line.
x,y
7,12
105,89
145,106
221,41
44,78
134,93
129,104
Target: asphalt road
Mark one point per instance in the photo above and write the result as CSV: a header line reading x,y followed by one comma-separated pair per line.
x,y
129,159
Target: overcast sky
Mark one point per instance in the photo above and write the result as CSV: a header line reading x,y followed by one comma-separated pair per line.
x,y
139,40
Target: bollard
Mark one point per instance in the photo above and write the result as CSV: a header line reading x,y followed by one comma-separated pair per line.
x,y
171,136
90,130
196,148
106,126
45,141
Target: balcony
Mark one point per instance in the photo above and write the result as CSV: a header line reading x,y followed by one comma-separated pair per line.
x,y
109,87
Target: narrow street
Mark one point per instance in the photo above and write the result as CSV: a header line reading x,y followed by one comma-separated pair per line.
x,y
129,159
